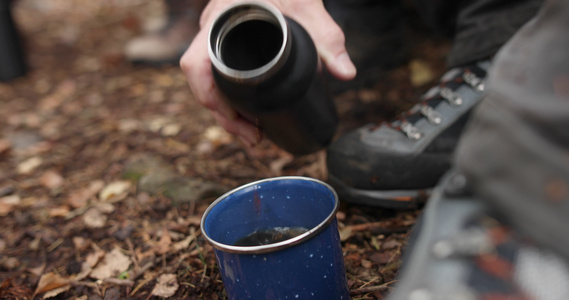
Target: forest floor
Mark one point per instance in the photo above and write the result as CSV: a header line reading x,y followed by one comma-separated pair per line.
x,y
106,167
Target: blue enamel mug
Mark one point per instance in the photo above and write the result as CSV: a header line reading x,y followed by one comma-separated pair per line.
x,y
278,238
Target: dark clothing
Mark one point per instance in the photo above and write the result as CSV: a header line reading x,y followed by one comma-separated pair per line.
x,y
516,150
478,27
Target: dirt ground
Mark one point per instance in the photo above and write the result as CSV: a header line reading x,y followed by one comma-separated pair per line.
x,y
106,167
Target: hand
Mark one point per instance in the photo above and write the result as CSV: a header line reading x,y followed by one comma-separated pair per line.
x,y
311,14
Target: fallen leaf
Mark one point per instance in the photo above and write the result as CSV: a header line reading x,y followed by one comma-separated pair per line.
x,y
91,260
345,233
366,263
278,164
85,271
81,243
390,244
8,203
183,244
421,73
10,263
113,263
171,129
50,281
38,271
105,207
60,211
166,287
56,291
35,243
115,191
163,245
94,218
178,146
51,180
158,123
381,257
5,146
28,165
217,136
79,198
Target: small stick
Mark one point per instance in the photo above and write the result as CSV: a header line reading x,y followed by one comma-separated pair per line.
x,y
373,288
120,282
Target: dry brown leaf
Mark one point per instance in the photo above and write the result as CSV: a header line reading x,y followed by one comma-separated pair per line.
x,y
115,191
79,198
38,271
56,291
10,263
345,233
278,164
171,129
28,165
85,271
366,263
55,99
381,257
8,203
421,73
60,211
183,244
81,243
105,207
5,209
50,281
178,146
35,243
217,136
93,258
94,218
166,287
51,180
114,263
163,245
5,146
193,220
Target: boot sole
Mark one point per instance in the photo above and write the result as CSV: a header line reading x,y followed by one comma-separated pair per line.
x,y
395,199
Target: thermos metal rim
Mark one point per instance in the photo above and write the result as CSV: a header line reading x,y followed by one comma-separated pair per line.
x,y
233,16
274,246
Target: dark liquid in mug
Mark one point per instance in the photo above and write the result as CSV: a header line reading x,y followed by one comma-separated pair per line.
x,y
270,236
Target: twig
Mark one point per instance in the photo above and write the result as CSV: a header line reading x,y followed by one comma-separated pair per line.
x,y
378,226
121,282
141,284
372,288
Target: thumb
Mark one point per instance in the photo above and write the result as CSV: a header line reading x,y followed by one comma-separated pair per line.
x,y
327,36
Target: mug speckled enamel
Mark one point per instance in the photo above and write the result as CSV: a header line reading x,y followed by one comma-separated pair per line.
x,y
307,266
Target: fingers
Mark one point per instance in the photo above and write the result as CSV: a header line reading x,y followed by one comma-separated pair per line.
x,y
196,65
326,34
249,134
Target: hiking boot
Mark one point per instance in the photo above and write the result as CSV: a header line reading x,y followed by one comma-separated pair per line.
x,y
169,44
375,39
463,250
396,164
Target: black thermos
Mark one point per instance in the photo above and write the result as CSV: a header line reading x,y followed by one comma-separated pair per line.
x,y
12,63
267,66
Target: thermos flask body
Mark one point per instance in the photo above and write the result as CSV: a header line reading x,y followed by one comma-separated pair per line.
x,y
267,66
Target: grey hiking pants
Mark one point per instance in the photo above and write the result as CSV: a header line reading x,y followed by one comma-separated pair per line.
x,y
515,151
